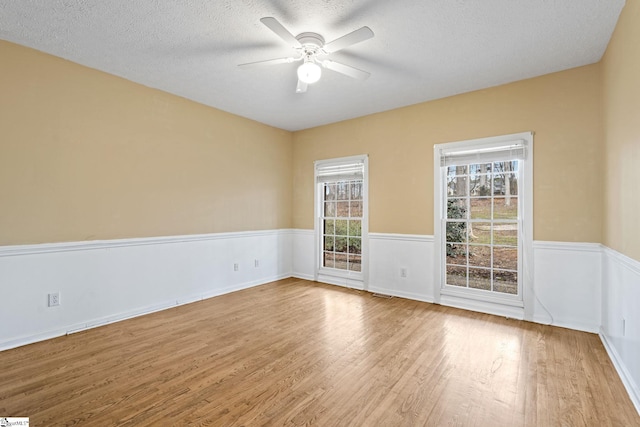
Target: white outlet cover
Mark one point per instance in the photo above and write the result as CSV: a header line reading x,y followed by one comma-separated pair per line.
x,y
54,299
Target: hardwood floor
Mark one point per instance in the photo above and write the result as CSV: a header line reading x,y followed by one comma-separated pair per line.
x,y
300,353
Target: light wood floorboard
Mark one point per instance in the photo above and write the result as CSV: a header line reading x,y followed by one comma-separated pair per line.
x,y
295,352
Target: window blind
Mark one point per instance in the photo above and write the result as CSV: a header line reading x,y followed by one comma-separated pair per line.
x,y
340,172
513,150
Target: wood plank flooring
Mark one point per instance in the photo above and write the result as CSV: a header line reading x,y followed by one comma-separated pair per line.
x,y
294,352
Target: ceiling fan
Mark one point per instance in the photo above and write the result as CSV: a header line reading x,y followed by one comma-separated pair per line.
x,y
310,48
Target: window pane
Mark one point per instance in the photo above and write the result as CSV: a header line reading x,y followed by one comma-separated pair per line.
x,y
480,256
355,263
480,208
457,186
456,208
330,209
511,184
342,209
480,233
329,191
506,258
328,260
505,184
480,185
480,279
342,190
456,232
456,276
477,168
341,244
498,185
356,190
505,234
505,282
328,243
505,208
355,245
456,254
341,261
456,170
341,227
507,166
329,226
356,209
355,227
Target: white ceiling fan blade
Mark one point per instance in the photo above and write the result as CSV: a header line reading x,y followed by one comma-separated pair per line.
x,y
347,70
274,25
347,40
269,62
301,87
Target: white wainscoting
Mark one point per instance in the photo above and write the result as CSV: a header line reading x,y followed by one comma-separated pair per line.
x,y
567,284
393,256
105,281
389,254
303,242
567,276
580,286
620,330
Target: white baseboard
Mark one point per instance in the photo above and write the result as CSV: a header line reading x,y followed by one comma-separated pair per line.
x,y
576,326
341,281
502,310
627,379
303,276
400,294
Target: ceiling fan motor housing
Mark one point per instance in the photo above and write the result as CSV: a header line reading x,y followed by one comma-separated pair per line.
x,y
311,42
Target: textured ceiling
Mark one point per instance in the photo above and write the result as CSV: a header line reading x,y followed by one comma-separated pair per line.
x,y
422,49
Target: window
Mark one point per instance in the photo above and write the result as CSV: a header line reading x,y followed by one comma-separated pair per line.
x,y
342,225
482,222
483,203
341,221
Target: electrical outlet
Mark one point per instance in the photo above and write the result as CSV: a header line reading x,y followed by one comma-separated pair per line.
x,y
624,327
256,263
236,267
403,272
54,299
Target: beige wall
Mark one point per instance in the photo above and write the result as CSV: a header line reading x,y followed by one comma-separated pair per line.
x,y
563,109
85,155
621,81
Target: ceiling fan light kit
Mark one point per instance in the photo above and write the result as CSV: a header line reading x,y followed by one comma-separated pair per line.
x,y
308,47
309,72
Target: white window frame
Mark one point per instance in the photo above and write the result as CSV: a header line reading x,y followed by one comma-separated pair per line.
x,y
520,307
350,279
